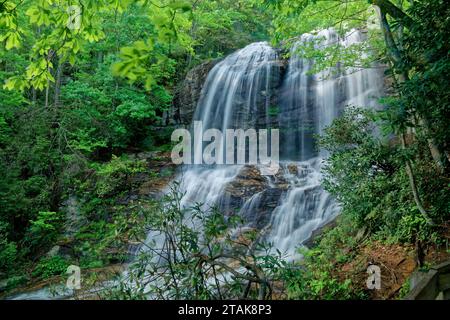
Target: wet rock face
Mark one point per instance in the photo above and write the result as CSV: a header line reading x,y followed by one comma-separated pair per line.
x,y
154,187
260,109
259,216
185,100
252,197
255,197
247,184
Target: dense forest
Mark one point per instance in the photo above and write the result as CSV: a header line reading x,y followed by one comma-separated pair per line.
x,y
91,92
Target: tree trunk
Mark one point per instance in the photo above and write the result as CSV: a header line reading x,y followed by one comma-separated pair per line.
x,y
47,89
389,8
34,96
47,93
420,254
59,72
440,160
397,59
413,184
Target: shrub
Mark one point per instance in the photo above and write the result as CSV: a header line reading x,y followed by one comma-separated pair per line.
x,y
50,266
8,255
114,176
44,229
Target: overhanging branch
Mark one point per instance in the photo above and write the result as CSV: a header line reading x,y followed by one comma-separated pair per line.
x,y
392,10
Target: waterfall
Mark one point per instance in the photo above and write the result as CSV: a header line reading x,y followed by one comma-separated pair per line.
x,y
238,90
237,94
318,100
243,91
251,89
304,208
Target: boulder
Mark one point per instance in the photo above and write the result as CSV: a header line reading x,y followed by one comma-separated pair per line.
x,y
250,196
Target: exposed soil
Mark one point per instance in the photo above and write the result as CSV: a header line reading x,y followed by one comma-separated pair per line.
x,y
397,262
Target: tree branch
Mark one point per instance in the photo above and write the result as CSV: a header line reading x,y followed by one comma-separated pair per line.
x,y
394,11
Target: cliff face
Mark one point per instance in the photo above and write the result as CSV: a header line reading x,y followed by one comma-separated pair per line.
x,y
188,94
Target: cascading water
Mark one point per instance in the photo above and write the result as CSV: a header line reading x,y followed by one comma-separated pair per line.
x,y
304,208
240,92
296,118
319,99
237,95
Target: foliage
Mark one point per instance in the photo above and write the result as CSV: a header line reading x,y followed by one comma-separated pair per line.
x,y
45,229
405,289
426,92
57,37
16,281
50,266
75,101
366,174
114,176
95,237
220,27
293,18
61,107
8,253
316,277
193,253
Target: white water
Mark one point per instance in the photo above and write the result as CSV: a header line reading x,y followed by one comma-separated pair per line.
x,y
303,209
205,185
238,93
238,88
